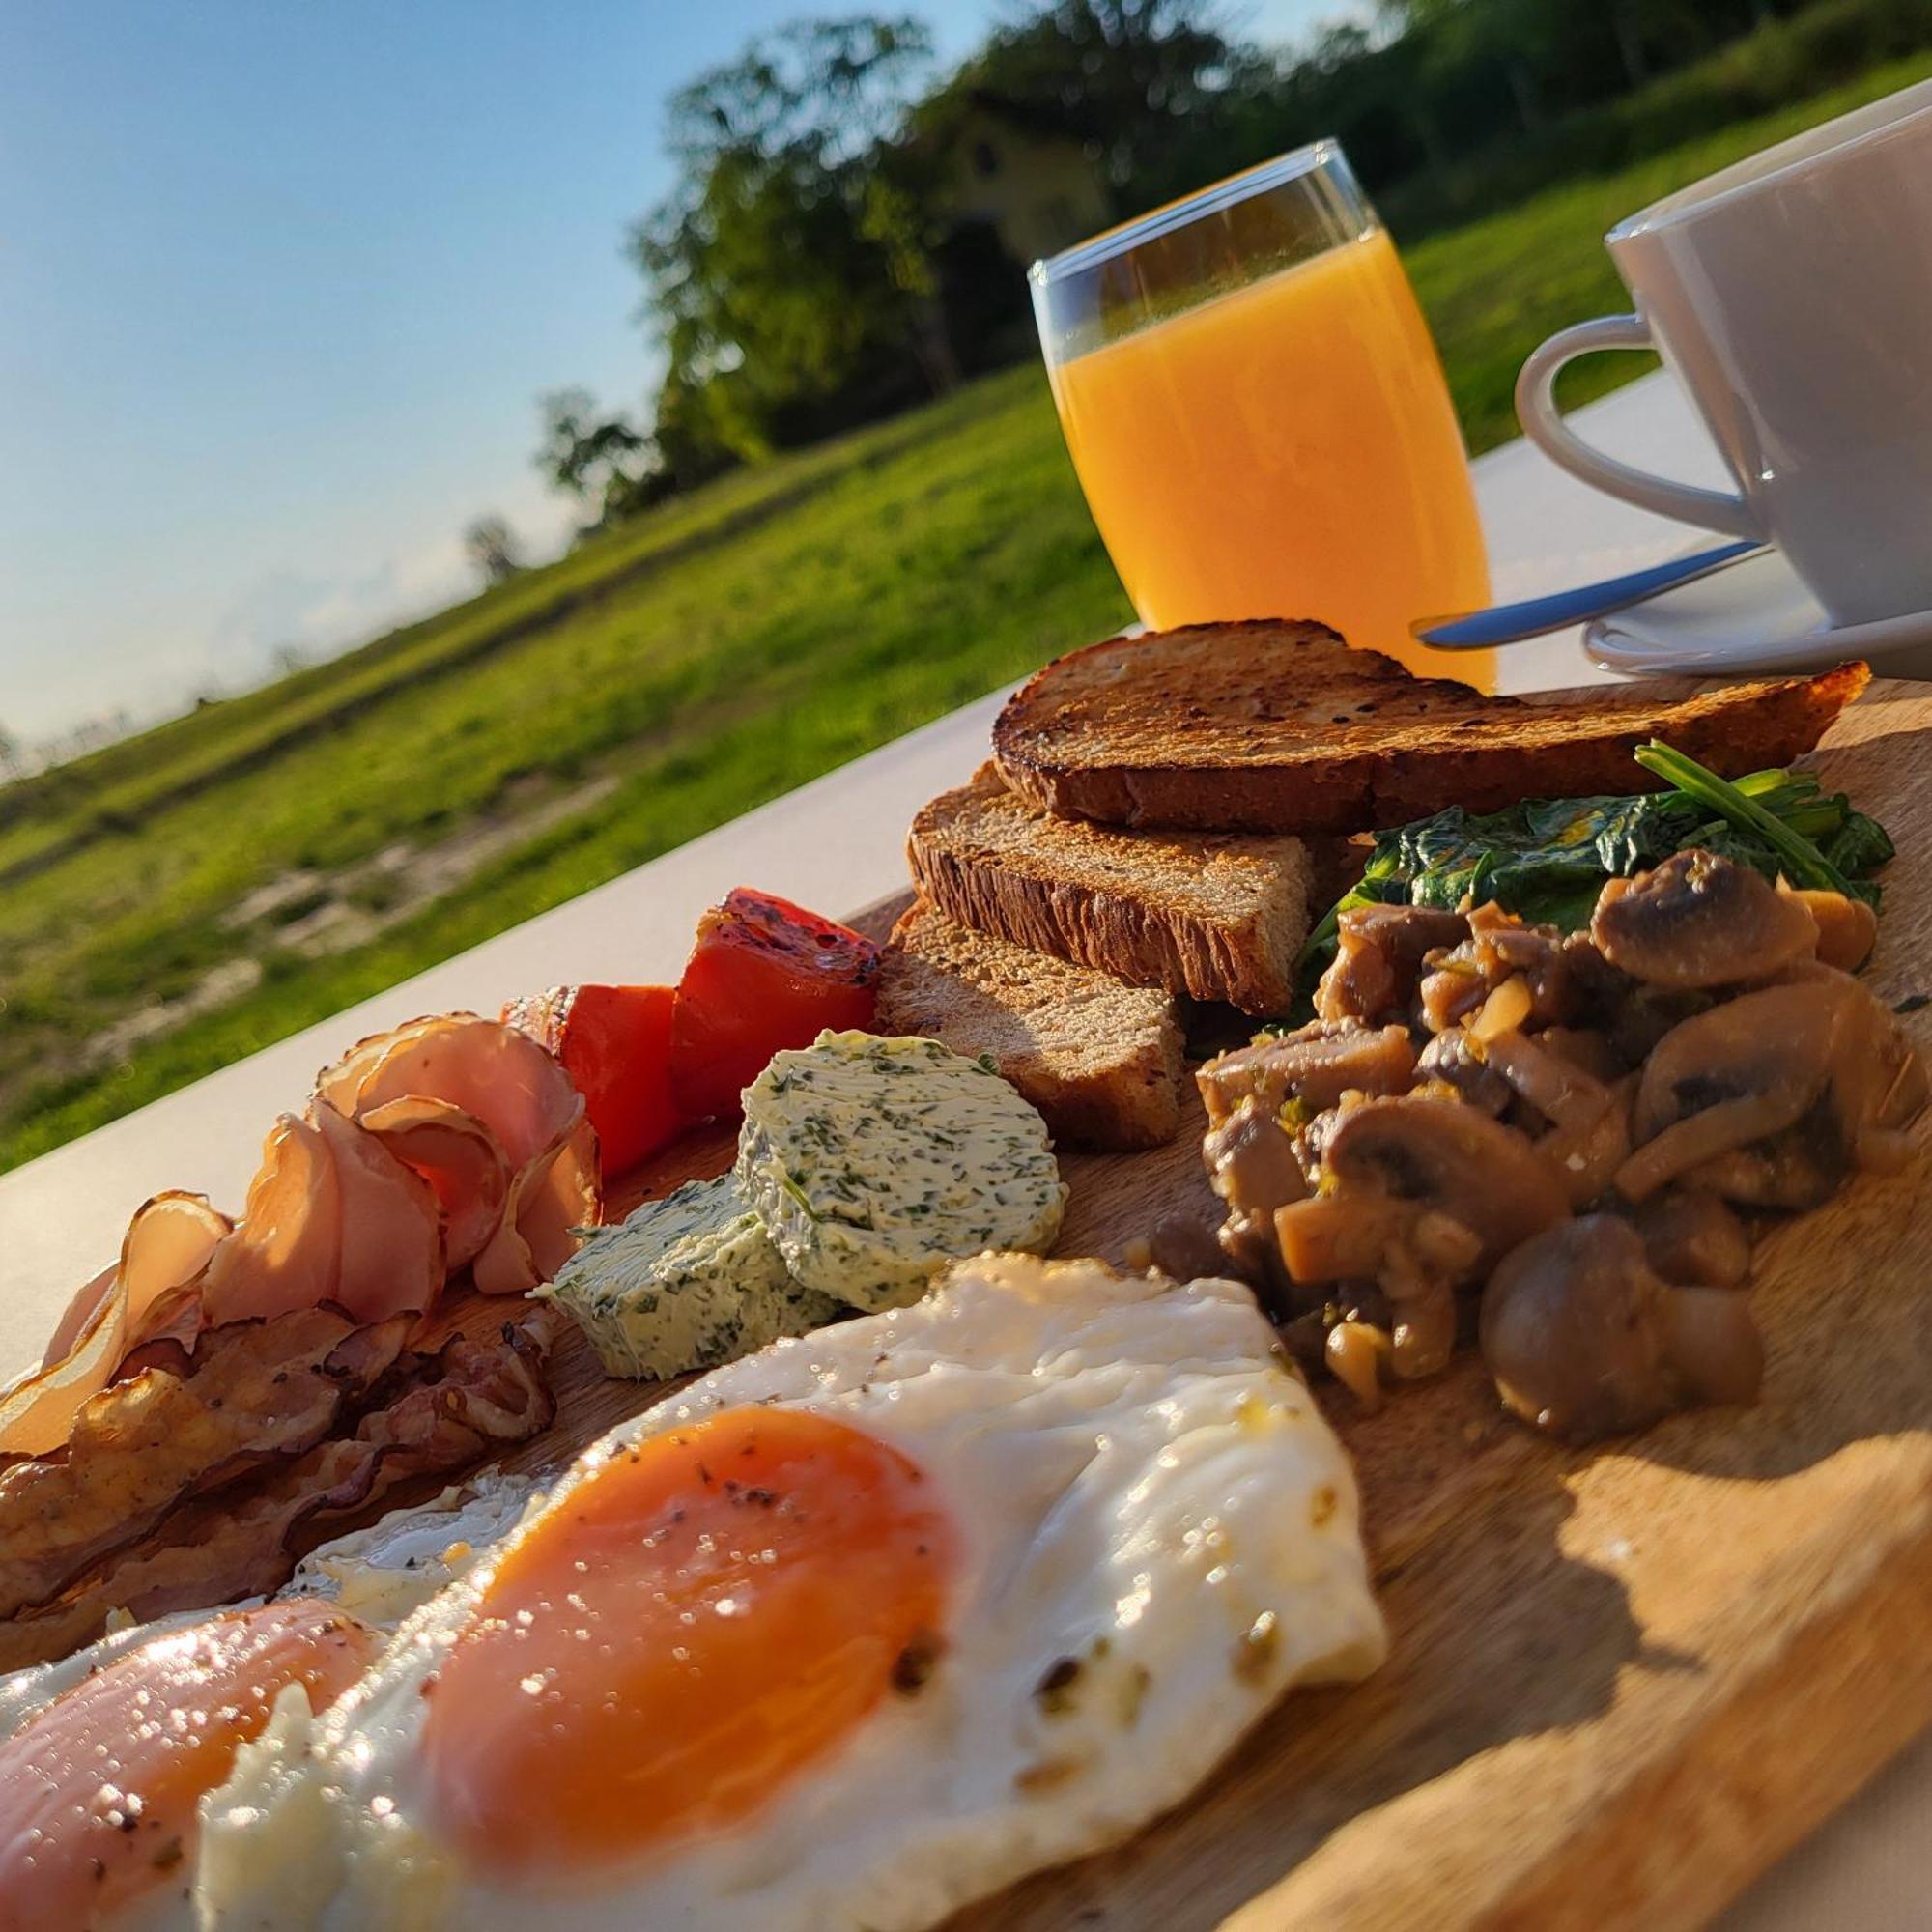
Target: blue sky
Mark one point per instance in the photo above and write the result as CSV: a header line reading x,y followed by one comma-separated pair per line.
x,y
282,285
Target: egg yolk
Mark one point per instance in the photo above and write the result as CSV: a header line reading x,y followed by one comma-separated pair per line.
x,y
703,1616
97,1790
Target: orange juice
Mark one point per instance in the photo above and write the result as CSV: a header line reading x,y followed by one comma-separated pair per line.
x,y
1285,449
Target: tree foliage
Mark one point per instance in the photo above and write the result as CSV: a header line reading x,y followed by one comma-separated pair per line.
x,y
596,458
491,545
1141,84
783,269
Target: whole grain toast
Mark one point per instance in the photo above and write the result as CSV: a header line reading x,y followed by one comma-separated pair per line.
x,y
1101,1061
1276,725
1218,916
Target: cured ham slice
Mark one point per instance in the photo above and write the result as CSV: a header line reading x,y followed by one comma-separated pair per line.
x,y
459,1157
501,1078
333,1216
166,1247
550,1200
442,1413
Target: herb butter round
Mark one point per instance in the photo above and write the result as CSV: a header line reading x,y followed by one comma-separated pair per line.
x,y
685,1283
872,1162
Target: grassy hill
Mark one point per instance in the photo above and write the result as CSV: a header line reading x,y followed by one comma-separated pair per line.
x,y
175,901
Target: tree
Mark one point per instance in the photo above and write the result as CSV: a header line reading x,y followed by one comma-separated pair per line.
x,y
491,545
785,275
601,460
12,763
1144,84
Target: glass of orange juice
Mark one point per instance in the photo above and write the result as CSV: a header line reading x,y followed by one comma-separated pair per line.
x,y
1258,416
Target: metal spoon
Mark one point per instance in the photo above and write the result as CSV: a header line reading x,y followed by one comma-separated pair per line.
x,y
1536,616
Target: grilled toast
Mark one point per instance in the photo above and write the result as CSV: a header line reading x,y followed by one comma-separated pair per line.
x,y
1101,1061
1276,725
1215,916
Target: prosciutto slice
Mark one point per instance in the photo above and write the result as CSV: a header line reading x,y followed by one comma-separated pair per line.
x,y
550,1200
333,1216
501,1079
459,1157
148,1291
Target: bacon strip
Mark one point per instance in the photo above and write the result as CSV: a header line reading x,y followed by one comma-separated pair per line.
x,y
166,1246
254,1392
450,1409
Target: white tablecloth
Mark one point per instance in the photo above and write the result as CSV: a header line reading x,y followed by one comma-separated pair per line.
x,y
836,844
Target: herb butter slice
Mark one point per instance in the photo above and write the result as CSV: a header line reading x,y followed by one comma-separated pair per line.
x,y
685,1283
873,1161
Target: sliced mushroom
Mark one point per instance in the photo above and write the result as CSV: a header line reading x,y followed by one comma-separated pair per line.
x,y
1563,974
1380,950
1558,1089
1590,1155
1452,1161
1252,1166
1421,1195
1453,1057
1691,1237
1314,1066
1847,928
1184,1248
1251,1162
1585,1339
1697,920
1814,1075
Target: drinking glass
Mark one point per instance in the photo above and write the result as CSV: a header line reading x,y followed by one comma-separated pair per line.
x,y
1259,417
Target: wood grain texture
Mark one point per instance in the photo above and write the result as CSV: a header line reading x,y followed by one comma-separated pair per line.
x,y
1623,1681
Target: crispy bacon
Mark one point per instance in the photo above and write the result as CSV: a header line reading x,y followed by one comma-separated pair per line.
x,y
252,1392
443,1412
166,1246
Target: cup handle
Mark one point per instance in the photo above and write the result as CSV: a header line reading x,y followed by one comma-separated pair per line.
x,y
1543,423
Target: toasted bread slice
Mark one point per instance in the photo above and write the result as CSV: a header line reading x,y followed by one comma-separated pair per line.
x,y
1219,916
1102,1062
1278,726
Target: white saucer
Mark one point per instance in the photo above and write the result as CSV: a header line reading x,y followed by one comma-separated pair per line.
x,y
1755,616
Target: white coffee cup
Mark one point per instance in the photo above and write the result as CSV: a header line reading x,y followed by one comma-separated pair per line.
x,y
1791,295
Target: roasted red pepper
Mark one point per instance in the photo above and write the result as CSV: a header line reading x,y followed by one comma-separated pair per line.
x,y
614,1041
764,975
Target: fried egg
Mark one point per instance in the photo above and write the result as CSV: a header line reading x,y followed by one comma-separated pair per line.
x,y
105,1756
859,1629
401,1560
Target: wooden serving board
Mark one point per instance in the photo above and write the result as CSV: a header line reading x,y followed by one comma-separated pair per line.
x,y
1622,1680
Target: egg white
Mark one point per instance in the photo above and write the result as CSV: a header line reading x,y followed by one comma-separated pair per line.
x,y
1139,1484
400,1561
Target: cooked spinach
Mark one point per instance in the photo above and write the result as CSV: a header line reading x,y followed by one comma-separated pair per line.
x,y
1547,859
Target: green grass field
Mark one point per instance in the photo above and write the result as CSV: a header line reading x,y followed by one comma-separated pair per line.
x,y
265,862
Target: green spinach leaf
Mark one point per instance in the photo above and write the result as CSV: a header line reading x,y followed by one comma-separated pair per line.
x,y
1547,859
